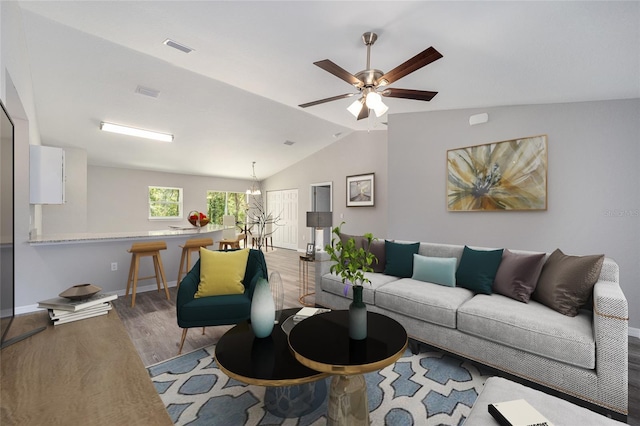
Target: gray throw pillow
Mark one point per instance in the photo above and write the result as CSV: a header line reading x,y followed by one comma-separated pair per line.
x,y
566,282
518,275
378,250
358,239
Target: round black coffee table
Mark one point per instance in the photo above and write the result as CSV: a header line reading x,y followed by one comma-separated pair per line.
x,y
293,389
322,343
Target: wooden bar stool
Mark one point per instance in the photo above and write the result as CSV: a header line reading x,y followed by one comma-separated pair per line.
x,y
190,246
137,251
233,243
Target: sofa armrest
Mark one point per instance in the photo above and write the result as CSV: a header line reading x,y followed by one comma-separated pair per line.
x,y
321,265
611,332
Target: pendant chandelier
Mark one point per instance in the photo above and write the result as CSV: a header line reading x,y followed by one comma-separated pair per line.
x,y
255,185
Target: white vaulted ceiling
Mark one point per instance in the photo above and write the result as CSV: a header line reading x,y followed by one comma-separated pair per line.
x,y
234,99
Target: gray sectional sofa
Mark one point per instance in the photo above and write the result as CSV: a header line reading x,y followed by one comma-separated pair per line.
x,y
583,356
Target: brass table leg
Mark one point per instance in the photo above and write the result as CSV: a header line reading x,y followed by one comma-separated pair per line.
x,y
348,404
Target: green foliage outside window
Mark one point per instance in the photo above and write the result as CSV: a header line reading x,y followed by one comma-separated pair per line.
x,y
220,203
165,202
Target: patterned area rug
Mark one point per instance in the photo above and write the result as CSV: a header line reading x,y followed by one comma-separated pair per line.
x,y
429,388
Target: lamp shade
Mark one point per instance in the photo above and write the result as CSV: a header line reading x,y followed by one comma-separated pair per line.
x,y
319,219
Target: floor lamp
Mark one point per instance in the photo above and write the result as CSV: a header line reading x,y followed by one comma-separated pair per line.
x,y
318,220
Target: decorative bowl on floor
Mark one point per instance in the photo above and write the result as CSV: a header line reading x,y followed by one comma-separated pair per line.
x,y
193,219
80,291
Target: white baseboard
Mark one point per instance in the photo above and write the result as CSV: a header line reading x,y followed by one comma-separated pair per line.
x,y
142,289
634,332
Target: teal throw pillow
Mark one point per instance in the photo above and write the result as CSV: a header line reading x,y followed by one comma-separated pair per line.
x,y
437,270
477,269
400,258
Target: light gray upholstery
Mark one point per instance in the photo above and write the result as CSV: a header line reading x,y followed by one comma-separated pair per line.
x,y
531,327
585,357
555,410
425,301
332,283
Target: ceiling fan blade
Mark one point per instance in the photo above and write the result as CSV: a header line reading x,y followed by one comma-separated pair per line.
x,y
321,101
339,72
420,60
364,112
418,95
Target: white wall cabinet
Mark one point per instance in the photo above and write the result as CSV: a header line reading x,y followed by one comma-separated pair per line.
x,y
47,175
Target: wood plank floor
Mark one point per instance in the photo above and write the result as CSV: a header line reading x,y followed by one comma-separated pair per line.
x,y
152,325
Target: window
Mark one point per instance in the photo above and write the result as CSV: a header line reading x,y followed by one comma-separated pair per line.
x,y
220,203
165,203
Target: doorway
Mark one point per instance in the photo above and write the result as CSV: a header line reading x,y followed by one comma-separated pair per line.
x,y
321,201
284,206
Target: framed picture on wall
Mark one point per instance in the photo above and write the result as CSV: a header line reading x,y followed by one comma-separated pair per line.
x,y
361,190
310,249
501,176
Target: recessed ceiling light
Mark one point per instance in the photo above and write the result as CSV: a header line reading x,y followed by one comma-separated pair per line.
x,y
176,45
132,131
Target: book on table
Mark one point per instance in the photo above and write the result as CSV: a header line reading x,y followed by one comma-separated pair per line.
x,y
517,413
308,312
64,304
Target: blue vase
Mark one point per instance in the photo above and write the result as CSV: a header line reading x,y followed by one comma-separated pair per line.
x,y
263,310
357,315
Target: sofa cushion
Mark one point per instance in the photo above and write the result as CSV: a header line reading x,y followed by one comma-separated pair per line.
x,y
437,270
221,272
477,269
530,327
400,258
332,283
357,239
377,248
566,282
518,274
424,301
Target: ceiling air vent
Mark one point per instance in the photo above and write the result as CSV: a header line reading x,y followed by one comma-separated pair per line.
x,y
153,93
176,45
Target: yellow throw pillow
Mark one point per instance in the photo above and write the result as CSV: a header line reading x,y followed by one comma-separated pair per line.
x,y
221,272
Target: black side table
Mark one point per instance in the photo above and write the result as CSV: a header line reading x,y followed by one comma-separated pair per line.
x,y
293,389
322,343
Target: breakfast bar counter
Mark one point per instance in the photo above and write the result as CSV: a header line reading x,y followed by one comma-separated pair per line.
x,y
87,237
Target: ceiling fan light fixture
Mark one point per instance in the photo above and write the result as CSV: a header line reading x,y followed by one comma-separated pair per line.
x,y
374,100
356,107
381,109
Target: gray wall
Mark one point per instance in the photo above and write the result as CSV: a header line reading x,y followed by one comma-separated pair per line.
x,y
356,153
117,198
593,182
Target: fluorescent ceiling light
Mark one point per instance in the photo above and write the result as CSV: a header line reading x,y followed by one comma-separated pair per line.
x,y
132,131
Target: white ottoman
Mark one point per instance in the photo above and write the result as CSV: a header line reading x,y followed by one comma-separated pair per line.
x,y
556,410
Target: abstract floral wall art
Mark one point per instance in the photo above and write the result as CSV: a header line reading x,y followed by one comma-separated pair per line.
x,y
508,175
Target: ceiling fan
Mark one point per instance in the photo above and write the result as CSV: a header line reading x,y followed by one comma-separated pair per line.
x,y
371,83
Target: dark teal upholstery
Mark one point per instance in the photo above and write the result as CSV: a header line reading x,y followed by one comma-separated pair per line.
x,y
218,310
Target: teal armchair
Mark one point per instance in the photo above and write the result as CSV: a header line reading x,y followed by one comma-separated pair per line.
x,y
217,310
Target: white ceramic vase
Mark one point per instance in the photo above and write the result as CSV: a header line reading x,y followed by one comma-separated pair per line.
x,y
263,310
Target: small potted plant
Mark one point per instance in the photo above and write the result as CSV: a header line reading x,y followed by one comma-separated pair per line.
x,y
350,263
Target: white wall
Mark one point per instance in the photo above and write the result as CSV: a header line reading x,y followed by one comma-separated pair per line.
x,y
593,182
357,153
